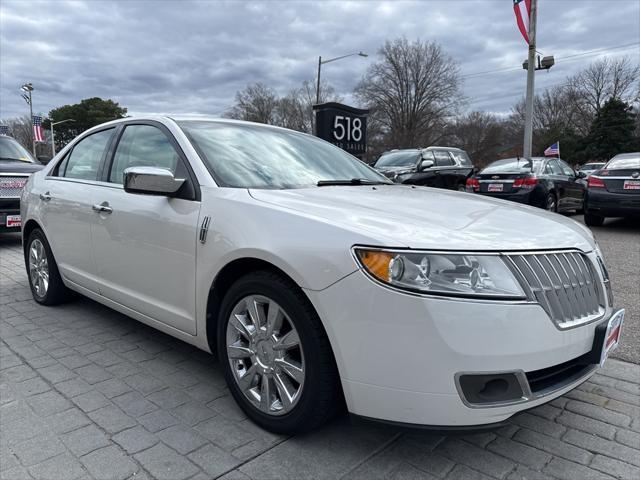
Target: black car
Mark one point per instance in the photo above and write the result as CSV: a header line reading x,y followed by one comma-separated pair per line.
x,y
16,164
548,183
614,191
442,167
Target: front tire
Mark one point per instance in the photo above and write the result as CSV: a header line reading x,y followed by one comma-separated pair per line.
x,y
593,220
45,281
276,356
551,204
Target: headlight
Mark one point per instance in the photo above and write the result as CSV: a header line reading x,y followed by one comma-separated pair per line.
x,y
449,274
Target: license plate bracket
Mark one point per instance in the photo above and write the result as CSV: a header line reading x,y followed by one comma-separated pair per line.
x,y
495,187
631,185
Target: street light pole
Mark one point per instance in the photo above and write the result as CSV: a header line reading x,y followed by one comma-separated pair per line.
x,y
53,142
531,68
28,88
322,62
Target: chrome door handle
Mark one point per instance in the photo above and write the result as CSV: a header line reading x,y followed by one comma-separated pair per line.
x,y
103,208
45,197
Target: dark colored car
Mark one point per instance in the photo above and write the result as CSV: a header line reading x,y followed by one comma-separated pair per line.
x,y
548,183
442,167
614,191
16,164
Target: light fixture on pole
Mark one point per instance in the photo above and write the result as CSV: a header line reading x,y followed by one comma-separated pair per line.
x,y
322,62
27,88
53,142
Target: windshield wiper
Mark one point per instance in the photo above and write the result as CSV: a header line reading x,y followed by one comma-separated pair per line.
x,y
11,159
352,181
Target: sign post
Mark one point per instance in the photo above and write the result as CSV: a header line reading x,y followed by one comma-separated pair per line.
x,y
342,125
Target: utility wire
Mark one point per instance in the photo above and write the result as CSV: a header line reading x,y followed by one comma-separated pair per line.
x,y
575,55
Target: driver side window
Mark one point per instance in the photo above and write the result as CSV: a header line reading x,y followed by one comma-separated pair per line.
x,y
144,146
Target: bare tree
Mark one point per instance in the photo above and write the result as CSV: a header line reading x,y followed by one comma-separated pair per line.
x,y
480,134
256,103
601,81
411,90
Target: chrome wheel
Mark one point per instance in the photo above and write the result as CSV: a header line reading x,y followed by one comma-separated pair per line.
x,y
265,354
38,268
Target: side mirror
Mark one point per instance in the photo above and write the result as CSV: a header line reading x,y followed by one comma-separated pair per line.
x,y
151,180
581,174
426,164
44,159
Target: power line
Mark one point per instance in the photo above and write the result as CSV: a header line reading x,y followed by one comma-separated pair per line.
x,y
575,55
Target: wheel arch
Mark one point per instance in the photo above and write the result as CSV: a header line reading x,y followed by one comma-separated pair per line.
x,y
223,280
29,227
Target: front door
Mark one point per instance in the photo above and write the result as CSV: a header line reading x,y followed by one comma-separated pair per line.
x,y
145,245
67,209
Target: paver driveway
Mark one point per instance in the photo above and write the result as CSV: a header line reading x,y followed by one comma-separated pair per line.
x,y
88,393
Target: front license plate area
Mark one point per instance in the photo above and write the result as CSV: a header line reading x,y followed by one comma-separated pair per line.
x,y
611,335
631,185
13,221
495,187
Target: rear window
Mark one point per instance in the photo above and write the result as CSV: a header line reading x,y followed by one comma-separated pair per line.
x,y
462,157
512,165
398,159
623,162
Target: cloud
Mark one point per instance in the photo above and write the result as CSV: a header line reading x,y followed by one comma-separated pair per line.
x,y
191,57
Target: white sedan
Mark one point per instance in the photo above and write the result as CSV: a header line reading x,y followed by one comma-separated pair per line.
x,y
314,279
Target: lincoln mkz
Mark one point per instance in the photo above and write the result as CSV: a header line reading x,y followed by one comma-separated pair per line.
x,y
316,280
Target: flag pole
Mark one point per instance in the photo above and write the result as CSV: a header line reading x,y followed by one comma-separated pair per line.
x,y
531,68
558,148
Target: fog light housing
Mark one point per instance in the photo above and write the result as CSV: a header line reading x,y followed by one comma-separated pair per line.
x,y
494,389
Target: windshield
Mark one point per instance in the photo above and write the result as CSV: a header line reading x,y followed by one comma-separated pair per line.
x,y
512,165
398,159
12,150
624,162
253,156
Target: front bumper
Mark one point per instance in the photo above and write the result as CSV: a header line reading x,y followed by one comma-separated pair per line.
x,y
609,204
399,354
9,208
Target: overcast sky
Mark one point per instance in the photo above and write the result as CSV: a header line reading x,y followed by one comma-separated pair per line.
x,y
191,57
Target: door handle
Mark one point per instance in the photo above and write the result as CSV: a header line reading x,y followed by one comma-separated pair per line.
x,y
45,197
103,207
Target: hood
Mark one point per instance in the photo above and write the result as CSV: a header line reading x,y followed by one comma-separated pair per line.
x,y
429,218
19,167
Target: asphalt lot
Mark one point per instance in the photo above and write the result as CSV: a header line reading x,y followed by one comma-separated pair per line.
x,y
88,393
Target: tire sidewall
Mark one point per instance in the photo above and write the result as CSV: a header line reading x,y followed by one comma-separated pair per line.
x,y
551,197
38,235
256,284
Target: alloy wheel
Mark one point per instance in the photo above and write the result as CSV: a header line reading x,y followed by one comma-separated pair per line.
x,y
265,355
551,203
38,268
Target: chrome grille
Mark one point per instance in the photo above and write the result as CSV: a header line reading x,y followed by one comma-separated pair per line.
x,y
565,284
11,186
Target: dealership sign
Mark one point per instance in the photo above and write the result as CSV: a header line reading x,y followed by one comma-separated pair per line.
x,y
342,125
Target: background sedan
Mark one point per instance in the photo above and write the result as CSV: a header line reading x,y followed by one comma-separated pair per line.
x,y
548,183
614,191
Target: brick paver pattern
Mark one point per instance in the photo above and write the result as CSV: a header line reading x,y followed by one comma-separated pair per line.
x,y
88,393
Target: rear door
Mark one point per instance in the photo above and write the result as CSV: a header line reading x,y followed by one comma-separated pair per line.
x,y
146,244
446,169
67,212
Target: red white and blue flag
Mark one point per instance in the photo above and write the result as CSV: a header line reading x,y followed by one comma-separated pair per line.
x,y
38,132
523,14
553,150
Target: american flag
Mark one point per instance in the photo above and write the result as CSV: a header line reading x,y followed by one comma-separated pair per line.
x,y
553,150
38,132
522,8
4,129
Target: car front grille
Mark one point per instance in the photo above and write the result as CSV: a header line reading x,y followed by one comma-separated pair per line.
x,y
11,186
565,284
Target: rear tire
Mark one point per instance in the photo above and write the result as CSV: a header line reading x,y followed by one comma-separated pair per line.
x,y
593,220
44,277
315,386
